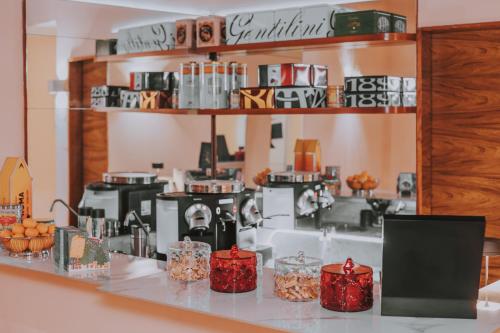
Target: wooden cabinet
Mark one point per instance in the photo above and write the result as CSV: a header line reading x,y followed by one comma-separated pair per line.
x,y
458,121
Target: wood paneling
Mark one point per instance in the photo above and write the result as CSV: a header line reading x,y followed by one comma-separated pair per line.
x,y
459,121
88,143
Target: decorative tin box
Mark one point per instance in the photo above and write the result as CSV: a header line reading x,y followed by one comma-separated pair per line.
x,y
319,76
244,28
189,86
105,96
257,98
363,22
409,84
155,37
300,97
105,47
288,24
153,99
106,91
73,251
378,99
319,21
130,99
368,84
148,81
214,85
398,23
185,31
239,76
211,31
283,75
409,98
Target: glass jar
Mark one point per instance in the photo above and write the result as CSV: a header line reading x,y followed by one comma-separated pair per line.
x,y
188,261
335,96
233,271
297,278
346,287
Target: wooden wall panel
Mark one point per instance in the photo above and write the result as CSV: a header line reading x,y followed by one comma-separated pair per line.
x,y
460,117
88,143
95,146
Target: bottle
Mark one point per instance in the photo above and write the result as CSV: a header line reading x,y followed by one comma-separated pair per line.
x,y
175,98
85,219
98,223
234,99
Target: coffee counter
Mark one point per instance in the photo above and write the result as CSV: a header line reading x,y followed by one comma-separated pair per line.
x,y
136,294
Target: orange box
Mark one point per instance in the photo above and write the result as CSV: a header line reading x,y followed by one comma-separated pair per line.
x,y
307,155
16,184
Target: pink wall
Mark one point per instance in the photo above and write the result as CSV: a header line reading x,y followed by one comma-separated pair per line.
x,y
444,12
11,84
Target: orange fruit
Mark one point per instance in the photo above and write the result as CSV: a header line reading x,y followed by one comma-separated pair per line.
x,y
31,232
6,233
18,236
29,223
19,245
43,228
52,229
17,229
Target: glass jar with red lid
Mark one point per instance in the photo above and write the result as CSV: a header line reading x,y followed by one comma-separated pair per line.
x,y
346,287
233,271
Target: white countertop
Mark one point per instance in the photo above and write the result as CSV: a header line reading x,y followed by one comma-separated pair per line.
x,y
144,279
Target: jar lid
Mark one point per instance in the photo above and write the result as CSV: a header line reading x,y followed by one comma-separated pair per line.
x,y
300,260
188,245
349,268
234,254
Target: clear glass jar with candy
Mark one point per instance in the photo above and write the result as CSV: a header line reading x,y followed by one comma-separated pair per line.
x,y
233,271
297,278
346,287
188,261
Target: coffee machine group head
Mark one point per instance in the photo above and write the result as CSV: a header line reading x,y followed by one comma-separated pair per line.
x,y
295,200
220,213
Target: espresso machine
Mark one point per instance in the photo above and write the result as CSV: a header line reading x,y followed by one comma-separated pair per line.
x,y
218,212
295,200
122,192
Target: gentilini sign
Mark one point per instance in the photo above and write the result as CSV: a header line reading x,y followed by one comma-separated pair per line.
x,y
286,24
155,37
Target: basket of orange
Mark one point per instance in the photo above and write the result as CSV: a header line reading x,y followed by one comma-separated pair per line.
x,y
362,183
31,237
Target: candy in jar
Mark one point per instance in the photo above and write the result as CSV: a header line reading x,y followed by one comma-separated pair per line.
x,y
233,271
346,287
297,278
188,261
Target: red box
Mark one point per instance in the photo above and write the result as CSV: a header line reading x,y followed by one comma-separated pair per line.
x,y
285,75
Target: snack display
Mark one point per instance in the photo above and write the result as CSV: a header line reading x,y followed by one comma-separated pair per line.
x,y
188,261
346,287
233,271
10,214
27,238
362,181
297,278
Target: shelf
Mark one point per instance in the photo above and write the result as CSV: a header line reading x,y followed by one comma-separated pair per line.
x,y
227,112
355,41
162,54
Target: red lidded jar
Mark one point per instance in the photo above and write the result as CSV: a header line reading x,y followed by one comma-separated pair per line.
x,y
346,287
233,271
